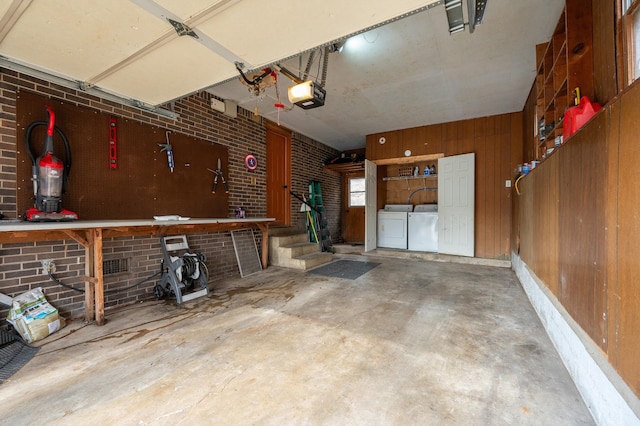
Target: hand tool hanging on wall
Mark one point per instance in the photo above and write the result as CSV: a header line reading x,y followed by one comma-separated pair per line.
x,y
112,144
49,175
167,147
218,173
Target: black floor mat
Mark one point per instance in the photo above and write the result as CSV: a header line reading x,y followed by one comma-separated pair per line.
x,y
14,354
349,269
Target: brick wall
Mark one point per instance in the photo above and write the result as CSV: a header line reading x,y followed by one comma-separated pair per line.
x,y
20,264
307,165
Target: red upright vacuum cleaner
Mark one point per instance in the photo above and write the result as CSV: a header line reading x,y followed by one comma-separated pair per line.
x,y
49,175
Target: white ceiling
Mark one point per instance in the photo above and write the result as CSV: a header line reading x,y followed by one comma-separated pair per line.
x,y
405,74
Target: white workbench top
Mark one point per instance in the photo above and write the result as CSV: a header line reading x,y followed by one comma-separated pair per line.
x,y
13,225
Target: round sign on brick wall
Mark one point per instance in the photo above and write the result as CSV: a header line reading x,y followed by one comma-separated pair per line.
x,y
250,162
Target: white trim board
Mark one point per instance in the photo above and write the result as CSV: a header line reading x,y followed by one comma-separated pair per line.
x,y
608,398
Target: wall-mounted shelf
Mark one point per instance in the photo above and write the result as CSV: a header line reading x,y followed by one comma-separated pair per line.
x,y
408,160
339,169
409,177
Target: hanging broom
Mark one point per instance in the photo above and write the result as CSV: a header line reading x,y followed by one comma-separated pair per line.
x,y
309,218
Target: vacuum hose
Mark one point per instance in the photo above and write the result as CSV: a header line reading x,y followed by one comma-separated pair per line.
x,y
191,263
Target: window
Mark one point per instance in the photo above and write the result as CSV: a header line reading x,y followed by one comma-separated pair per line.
x,y
631,17
356,192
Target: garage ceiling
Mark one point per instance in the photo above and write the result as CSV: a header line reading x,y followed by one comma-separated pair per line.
x,y
407,73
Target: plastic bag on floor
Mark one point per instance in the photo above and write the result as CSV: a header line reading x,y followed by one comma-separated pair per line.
x,y
33,317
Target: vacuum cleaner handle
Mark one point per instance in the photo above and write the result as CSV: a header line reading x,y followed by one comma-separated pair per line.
x,y
48,140
52,120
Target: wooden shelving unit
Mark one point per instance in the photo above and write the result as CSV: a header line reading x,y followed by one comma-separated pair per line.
x,y
342,168
564,64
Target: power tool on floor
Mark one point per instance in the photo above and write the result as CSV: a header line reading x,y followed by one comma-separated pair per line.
x,y
49,175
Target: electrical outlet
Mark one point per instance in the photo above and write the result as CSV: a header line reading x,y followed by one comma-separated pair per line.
x,y
507,183
48,266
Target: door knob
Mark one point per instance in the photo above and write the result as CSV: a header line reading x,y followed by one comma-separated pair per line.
x,y
284,186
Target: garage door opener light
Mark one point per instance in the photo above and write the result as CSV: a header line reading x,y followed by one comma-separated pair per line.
x,y
307,95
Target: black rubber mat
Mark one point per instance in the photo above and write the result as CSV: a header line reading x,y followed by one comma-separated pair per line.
x,y
14,354
348,269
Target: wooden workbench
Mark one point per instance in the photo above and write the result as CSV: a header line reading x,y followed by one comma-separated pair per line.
x,y
91,234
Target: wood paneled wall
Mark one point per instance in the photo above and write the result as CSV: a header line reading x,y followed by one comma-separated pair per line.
x,y
577,228
624,293
604,50
497,143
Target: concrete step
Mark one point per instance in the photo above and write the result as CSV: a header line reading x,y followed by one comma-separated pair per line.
x,y
347,248
287,240
282,248
282,256
300,249
290,248
312,260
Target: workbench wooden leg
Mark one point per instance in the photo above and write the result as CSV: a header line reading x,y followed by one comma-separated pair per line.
x,y
97,269
265,245
89,287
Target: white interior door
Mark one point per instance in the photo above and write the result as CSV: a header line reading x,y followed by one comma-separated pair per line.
x,y
371,204
456,189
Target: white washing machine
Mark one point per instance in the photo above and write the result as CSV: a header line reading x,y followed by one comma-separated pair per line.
x,y
392,225
423,228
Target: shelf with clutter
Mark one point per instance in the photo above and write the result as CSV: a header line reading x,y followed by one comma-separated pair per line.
x,y
564,76
411,171
415,182
346,162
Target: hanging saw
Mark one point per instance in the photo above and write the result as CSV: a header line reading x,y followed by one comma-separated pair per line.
x,y
219,174
167,147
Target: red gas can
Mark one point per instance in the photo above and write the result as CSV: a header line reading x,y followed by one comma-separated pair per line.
x,y
575,117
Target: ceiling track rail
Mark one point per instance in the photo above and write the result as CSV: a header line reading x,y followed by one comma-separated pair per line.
x,y
156,44
172,19
166,15
83,87
12,15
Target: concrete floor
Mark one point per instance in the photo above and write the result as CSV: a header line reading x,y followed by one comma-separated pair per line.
x,y
409,342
